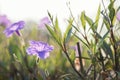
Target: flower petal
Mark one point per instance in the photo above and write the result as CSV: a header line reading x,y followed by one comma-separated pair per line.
x,y
8,33
44,21
4,21
14,28
118,16
39,48
31,51
17,26
43,54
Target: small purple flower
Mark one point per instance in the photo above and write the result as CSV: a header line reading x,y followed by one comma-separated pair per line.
x,y
40,49
14,28
44,21
118,16
4,21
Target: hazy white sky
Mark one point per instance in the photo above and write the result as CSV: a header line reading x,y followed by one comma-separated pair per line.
x,y
36,9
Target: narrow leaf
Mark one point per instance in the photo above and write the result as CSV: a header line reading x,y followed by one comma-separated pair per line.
x,y
83,20
97,16
54,35
81,40
57,29
111,11
106,20
89,20
103,38
107,25
112,14
107,49
67,33
50,16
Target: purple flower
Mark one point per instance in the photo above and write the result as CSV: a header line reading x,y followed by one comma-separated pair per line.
x,y
14,28
40,49
4,21
118,16
44,21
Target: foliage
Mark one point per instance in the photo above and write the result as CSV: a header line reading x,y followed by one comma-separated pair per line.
x,y
91,54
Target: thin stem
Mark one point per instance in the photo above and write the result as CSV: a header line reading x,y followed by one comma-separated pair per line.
x,y
106,12
71,13
66,53
89,69
102,60
115,49
86,39
80,57
94,71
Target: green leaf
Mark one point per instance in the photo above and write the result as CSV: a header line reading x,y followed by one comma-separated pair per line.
x,y
111,0
83,20
76,29
93,47
111,11
107,25
112,14
111,5
106,20
49,14
109,65
67,34
31,61
57,29
90,54
81,40
98,35
93,25
54,35
97,16
103,39
102,44
107,49
89,20
51,17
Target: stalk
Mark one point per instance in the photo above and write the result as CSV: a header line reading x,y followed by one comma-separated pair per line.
x,y
115,49
66,53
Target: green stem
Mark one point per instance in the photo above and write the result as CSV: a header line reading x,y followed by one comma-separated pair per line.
x,y
115,49
102,60
95,72
80,57
66,53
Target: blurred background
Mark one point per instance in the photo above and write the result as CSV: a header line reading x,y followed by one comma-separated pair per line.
x,y
14,65
36,9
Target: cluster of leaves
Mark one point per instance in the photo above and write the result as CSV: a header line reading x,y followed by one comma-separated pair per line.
x,y
100,54
100,39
